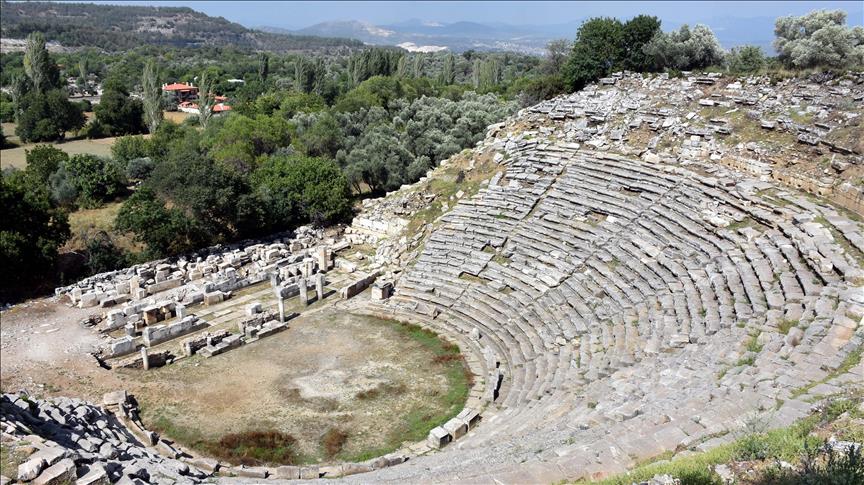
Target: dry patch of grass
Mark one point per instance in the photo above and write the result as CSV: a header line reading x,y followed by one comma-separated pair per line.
x,y
380,382
17,157
333,441
85,221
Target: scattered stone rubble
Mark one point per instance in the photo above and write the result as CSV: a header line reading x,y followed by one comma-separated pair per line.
x,y
75,442
669,112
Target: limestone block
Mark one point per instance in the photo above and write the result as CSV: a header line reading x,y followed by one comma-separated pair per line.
x,y
213,297
438,438
97,475
309,473
456,427
288,473
30,469
121,346
62,472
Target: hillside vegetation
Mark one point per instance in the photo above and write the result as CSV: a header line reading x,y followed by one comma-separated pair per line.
x,y
116,28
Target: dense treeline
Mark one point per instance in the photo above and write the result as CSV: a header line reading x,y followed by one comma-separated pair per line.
x,y
117,28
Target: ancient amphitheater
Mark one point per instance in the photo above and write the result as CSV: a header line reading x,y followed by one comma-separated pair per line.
x,y
623,280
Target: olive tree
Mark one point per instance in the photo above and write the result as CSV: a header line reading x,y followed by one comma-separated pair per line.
x,y
820,38
685,49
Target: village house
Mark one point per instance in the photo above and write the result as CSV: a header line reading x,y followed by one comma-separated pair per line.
x,y
181,91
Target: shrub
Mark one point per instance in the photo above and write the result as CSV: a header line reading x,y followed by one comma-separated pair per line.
x,y
139,168
95,129
102,254
257,448
748,58
127,148
42,161
62,186
333,441
96,179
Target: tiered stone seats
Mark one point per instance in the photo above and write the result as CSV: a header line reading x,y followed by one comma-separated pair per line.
x,y
615,295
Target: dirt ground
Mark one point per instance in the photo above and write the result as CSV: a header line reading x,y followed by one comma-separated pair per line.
x,y
330,370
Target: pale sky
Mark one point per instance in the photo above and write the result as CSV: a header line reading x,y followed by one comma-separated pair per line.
x,y
294,15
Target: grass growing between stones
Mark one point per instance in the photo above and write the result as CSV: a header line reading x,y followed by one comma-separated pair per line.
x,y
851,360
10,457
763,450
785,325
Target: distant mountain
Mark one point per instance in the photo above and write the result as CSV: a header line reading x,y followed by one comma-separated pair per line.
x,y
461,36
115,28
430,36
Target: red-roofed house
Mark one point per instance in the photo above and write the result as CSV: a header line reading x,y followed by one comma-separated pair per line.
x,y
192,108
181,91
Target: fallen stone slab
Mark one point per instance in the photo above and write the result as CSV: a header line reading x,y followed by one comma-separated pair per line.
x,y
60,473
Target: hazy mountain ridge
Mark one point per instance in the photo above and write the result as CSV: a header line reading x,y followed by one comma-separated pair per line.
x,y
464,35
114,27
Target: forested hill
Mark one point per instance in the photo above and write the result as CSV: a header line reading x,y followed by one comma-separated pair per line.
x,y
116,28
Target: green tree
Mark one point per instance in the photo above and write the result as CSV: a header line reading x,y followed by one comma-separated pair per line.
x,y
42,161
448,71
295,102
213,195
152,96
556,56
206,98
263,67
30,232
37,63
118,112
47,116
323,138
96,179
240,140
297,190
164,231
685,49
596,50
637,32
820,38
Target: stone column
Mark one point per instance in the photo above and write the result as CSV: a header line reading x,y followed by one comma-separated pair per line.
x,y
309,264
281,301
145,359
304,295
180,310
323,259
319,285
